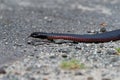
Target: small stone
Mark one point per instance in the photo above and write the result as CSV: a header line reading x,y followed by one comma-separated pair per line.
x,y
78,48
67,72
52,57
2,71
29,42
48,19
66,51
38,72
88,31
29,69
37,57
106,79
32,55
111,52
103,29
92,31
35,49
90,78
78,73
32,78
46,73
101,45
17,44
64,55
98,51
103,24
17,73
45,78
24,50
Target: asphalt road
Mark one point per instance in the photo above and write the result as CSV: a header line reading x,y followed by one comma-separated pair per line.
x,y
19,18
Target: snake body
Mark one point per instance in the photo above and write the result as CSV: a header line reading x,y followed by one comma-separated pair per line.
x,y
87,38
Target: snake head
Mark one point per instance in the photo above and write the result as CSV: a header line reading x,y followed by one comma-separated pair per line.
x,y
41,35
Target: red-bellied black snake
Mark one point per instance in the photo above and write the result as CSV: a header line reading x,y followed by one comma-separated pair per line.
x,y
87,38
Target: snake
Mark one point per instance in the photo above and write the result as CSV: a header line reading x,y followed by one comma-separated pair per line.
x,y
86,38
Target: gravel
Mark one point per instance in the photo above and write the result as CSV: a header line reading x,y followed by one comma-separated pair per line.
x,y
46,66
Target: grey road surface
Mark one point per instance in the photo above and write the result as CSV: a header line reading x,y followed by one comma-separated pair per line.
x,y
19,18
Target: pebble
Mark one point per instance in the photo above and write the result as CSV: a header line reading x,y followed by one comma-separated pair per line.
x,y
32,78
2,71
106,79
103,29
111,52
52,57
90,78
78,73
64,55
